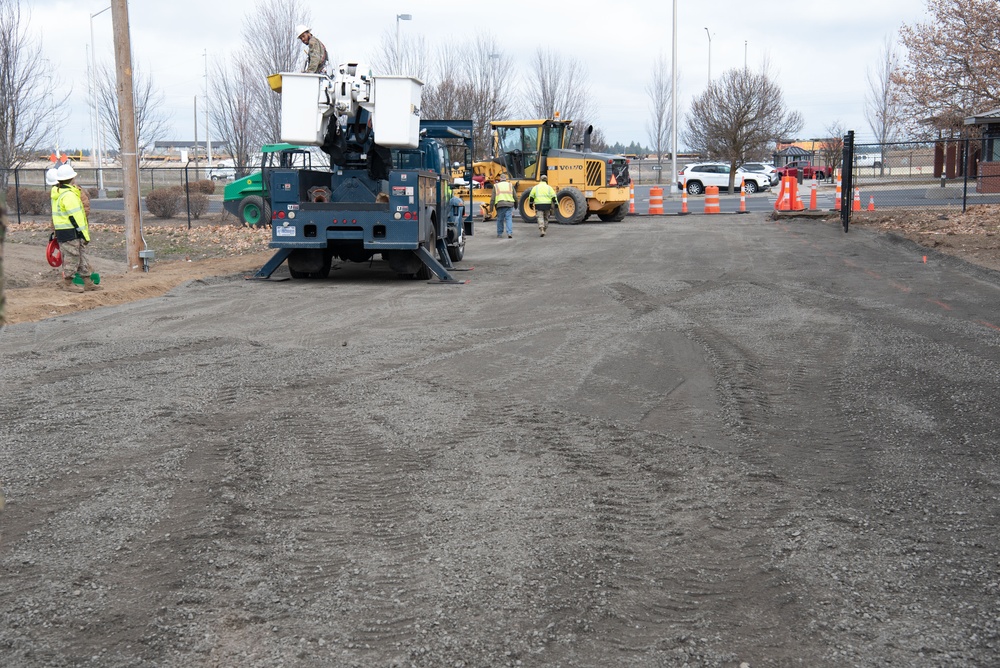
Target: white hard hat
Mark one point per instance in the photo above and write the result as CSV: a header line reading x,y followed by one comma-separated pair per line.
x,y
50,176
65,172
299,29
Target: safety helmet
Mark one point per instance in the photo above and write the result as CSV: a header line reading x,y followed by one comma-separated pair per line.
x,y
50,176
544,177
300,30
502,177
65,172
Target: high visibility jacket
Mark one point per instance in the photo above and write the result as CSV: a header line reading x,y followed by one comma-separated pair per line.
x,y
68,212
53,196
542,193
503,193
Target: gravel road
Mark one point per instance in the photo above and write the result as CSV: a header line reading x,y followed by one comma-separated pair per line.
x,y
703,441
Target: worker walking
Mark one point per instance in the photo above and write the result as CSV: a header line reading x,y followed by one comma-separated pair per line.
x,y
542,197
503,201
317,58
69,222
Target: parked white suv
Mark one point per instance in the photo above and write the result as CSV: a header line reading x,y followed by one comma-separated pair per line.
x,y
699,175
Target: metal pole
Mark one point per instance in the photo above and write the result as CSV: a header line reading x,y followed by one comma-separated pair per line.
x,y
129,140
97,116
673,106
195,147
208,132
709,55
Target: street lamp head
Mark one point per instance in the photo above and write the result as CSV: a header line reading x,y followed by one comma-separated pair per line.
x,y
404,17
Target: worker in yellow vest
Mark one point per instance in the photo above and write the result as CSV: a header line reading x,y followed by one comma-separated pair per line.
x,y
542,197
69,221
503,200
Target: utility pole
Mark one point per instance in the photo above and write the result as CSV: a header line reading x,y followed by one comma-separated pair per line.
x,y
129,147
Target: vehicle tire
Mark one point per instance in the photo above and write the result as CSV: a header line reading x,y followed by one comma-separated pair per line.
x,y
615,216
750,187
695,188
251,211
527,209
457,251
571,206
214,177
310,263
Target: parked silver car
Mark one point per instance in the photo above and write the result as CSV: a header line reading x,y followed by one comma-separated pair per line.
x,y
762,168
699,175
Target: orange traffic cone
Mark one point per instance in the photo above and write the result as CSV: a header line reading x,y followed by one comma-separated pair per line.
x,y
857,200
797,204
743,196
812,197
836,202
684,199
783,203
631,198
871,202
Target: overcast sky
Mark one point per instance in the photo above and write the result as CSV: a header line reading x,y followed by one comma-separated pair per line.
x,y
819,52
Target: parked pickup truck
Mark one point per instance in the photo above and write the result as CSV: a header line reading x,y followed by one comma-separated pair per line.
x,y
807,169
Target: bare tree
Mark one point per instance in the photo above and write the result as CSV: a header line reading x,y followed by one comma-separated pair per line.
x,y
952,65
270,46
150,124
410,59
233,113
30,115
739,115
833,148
659,125
883,108
559,85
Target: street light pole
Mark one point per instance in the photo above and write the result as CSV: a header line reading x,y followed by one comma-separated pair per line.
x,y
208,128
709,55
673,106
97,115
399,61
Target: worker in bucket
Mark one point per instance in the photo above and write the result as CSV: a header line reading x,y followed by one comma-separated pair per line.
x,y
542,197
69,221
317,58
504,202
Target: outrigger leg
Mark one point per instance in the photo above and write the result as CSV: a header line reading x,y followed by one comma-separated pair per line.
x,y
265,272
432,263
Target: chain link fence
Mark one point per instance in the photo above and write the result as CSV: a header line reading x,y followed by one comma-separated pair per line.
x,y
946,173
28,194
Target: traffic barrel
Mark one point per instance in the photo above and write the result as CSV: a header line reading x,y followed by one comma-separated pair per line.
x,y
684,198
656,201
743,196
812,197
840,193
631,198
712,200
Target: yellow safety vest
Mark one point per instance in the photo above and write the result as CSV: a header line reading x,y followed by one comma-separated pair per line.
x,y
543,193
504,191
68,204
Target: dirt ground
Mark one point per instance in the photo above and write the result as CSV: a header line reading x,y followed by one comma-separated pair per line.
x,y
728,441
215,246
